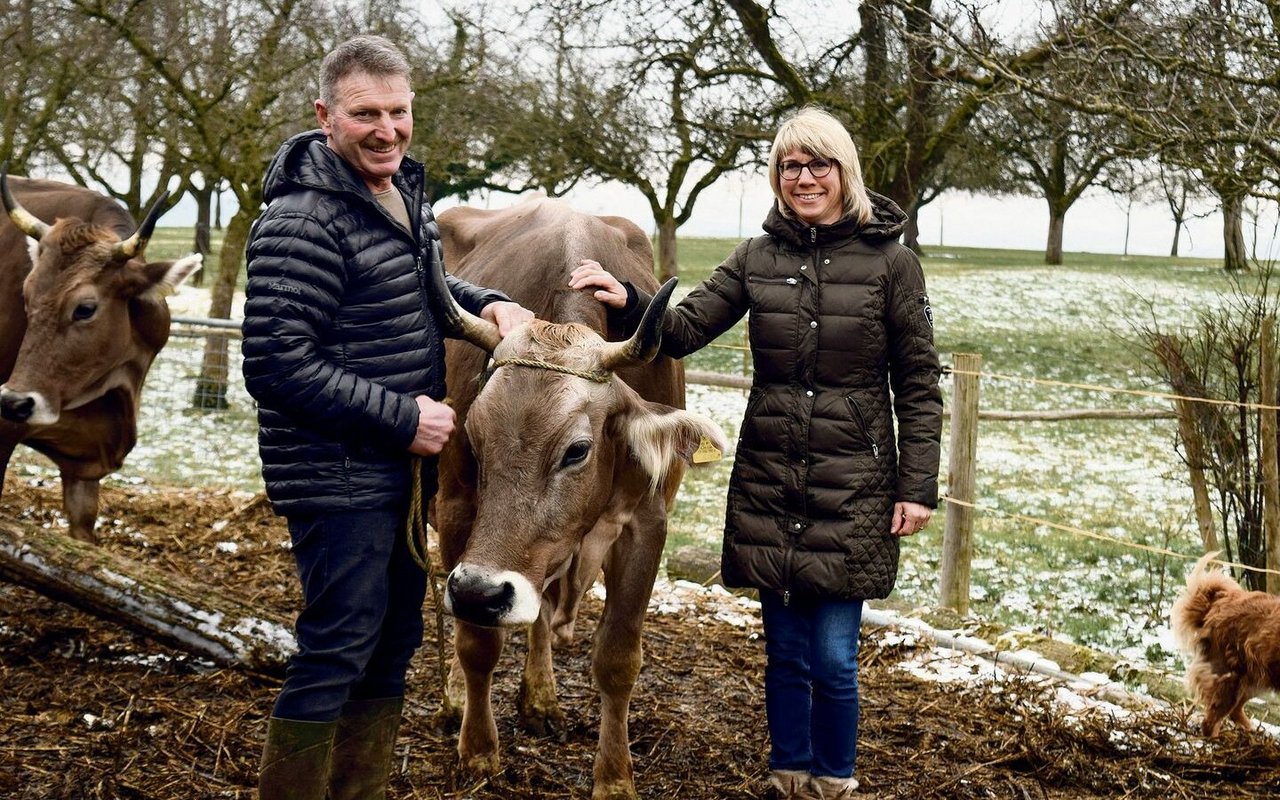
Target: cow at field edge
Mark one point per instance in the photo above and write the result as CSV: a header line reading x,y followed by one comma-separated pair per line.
x,y
565,463
72,365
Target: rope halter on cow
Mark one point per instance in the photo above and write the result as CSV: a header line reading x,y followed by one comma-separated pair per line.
x,y
595,375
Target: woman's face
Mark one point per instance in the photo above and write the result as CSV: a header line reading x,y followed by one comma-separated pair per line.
x,y
815,201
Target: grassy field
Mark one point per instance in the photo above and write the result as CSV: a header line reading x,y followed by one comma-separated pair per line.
x,y
1073,323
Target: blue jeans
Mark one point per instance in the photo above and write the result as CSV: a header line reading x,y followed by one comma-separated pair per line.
x,y
811,683
361,618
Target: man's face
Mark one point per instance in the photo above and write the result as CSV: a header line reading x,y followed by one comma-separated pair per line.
x,y
370,124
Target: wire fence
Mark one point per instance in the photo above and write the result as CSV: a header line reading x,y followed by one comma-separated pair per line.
x,y
185,445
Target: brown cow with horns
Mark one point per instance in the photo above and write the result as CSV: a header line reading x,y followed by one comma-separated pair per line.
x,y
72,365
567,460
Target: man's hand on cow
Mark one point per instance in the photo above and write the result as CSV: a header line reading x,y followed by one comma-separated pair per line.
x,y
507,316
589,276
909,518
436,422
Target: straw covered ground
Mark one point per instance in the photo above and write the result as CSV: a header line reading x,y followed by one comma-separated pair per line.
x,y
92,711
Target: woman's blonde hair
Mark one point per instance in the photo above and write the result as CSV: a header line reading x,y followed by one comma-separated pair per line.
x,y
815,132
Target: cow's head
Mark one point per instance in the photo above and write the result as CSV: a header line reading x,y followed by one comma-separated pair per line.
x,y
560,443
95,313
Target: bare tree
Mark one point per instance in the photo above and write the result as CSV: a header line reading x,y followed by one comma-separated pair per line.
x,y
52,65
909,80
236,79
657,102
1177,188
1198,85
1052,150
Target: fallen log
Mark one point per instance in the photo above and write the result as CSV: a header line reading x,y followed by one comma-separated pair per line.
x,y
167,608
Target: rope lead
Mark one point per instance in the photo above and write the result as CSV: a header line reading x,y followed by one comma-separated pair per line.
x,y
416,539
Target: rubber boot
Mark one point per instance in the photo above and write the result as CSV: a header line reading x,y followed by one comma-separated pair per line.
x,y
829,788
295,760
363,749
791,784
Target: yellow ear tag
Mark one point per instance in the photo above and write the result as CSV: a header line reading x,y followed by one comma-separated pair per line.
x,y
706,452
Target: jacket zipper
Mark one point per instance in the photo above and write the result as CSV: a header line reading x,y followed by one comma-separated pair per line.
x,y
866,429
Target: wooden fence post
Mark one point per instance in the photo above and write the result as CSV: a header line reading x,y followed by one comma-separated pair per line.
x,y
1270,468
957,538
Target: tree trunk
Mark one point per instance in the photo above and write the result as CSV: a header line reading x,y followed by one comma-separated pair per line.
x,y
911,231
145,598
1053,249
1233,234
202,244
668,267
211,387
1177,232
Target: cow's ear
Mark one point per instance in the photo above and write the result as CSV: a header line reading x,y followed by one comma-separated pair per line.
x,y
164,277
33,252
659,434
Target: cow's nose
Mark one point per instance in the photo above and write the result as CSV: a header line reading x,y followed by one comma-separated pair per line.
x,y
16,407
477,598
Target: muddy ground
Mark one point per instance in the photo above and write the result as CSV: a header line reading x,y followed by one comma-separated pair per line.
x,y
92,711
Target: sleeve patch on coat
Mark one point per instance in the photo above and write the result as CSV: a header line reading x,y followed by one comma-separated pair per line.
x,y
926,309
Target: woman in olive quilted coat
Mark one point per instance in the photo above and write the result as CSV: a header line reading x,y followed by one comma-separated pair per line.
x,y
839,447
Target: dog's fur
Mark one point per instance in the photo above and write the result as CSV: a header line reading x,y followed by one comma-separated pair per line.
x,y
1232,641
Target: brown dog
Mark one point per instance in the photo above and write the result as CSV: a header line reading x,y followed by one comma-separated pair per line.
x,y
1232,641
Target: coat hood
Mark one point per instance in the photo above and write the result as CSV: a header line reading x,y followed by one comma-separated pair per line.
x,y
306,162
887,222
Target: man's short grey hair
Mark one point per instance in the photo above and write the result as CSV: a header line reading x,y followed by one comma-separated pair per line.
x,y
367,53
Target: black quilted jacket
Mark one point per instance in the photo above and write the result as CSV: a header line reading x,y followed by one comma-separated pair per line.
x,y
338,338
841,337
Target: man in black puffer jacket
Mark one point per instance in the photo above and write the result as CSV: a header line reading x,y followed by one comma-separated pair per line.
x,y
346,362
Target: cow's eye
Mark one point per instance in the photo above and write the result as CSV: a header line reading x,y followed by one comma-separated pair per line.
x,y
84,310
576,454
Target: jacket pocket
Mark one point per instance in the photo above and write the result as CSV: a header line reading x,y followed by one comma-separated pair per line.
x,y
860,421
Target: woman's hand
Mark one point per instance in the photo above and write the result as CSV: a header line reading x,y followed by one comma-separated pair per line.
x,y
589,276
909,518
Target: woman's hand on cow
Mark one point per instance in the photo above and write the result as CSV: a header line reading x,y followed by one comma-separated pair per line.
x,y
909,518
507,316
436,422
589,276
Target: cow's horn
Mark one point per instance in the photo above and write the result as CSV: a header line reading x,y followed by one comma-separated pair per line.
x,y
456,320
137,243
23,219
643,344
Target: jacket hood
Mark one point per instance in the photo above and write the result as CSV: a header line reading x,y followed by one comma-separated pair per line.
x,y
887,223
306,162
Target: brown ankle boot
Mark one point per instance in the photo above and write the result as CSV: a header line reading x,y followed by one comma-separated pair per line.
x,y
363,748
295,760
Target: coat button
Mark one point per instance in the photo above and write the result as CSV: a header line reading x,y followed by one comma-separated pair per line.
x,y
797,526
808,392
813,324
792,281
804,266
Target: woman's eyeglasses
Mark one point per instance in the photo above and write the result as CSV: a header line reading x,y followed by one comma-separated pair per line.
x,y
818,168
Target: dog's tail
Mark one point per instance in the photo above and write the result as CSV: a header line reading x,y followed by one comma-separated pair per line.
x,y
1204,587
